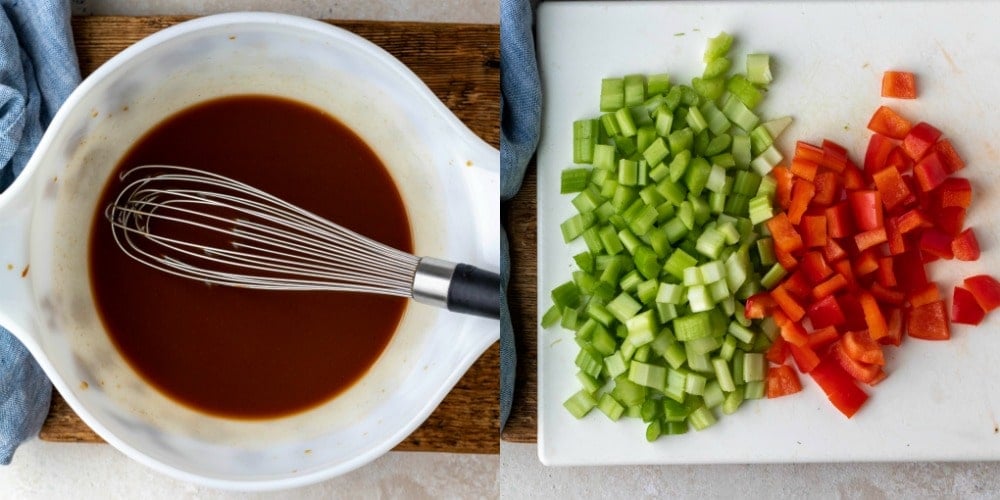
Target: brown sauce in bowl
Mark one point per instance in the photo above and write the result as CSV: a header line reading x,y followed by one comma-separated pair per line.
x,y
250,353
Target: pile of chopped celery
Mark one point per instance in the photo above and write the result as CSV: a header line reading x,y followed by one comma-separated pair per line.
x,y
671,190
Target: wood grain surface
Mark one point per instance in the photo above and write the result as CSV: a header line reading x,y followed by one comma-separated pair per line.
x,y
461,65
519,219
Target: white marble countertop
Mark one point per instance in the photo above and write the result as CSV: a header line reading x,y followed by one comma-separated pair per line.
x,y
42,470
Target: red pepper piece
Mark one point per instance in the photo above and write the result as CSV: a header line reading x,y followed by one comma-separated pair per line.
x,y
815,268
951,220
778,352
833,252
825,312
834,156
894,237
873,316
925,295
937,243
899,85
929,322
866,262
965,309
885,275
929,172
911,220
954,192
860,345
838,221
887,295
879,147
871,238
813,229
885,121
829,287
894,320
986,290
783,190
822,337
839,387
759,305
797,284
853,179
805,357
787,303
808,152
791,330
910,271
802,193
782,381
784,234
862,372
965,246
866,207
827,188
804,169
890,185
853,312
920,140
949,157
898,160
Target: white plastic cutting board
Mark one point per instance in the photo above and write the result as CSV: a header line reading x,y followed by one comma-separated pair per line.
x,y
941,400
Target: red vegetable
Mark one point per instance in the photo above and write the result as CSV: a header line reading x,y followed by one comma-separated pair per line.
x,y
899,84
866,207
759,305
885,121
921,138
949,157
839,387
825,312
929,172
879,147
805,357
965,309
986,290
782,381
954,192
929,322
965,246
892,188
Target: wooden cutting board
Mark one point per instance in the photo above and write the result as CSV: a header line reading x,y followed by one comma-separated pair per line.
x,y
461,65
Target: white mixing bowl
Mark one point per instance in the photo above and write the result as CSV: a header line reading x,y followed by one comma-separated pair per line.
x,y
448,178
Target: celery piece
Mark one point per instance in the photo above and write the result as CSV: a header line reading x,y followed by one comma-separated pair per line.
x,y
623,307
635,89
627,173
675,355
574,180
695,384
692,277
588,200
679,165
713,394
551,316
745,91
587,329
768,186
759,69
566,295
733,401
696,176
741,150
728,348
663,340
615,364
718,146
656,152
716,68
704,345
599,313
712,271
722,375
646,291
674,411
604,156
680,140
746,182
645,136
642,328
593,240
648,375
760,209
692,326
718,46
603,342
628,392
676,263
573,227
754,390
647,262
612,94
710,243
773,276
590,384
672,191
754,367
580,404
740,114
718,292
657,84
613,409
701,140
776,126
673,97
738,267
650,410
585,134
610,125
589,361
760,139
669,293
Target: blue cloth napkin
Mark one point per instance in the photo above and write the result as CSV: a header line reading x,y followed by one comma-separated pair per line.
x,y
520,113
38,70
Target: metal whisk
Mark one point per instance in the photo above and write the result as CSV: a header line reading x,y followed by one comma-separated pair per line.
x,y
211,228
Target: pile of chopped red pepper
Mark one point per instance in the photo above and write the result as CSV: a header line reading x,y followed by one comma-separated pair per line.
x,y
855,243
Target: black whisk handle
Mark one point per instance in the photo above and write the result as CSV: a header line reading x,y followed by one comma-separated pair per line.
x,y
474,291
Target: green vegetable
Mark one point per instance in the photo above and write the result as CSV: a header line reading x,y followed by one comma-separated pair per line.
x,y
670,189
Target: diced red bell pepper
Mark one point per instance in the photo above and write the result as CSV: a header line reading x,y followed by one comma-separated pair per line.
x,y
920,140
802,193
782,381
936,242
910,272
954,192
929,322
862,372
898,160
797,284
808,152
894,238
791,330
929,172
860,345
784,234
951,220
894,320
911,220
853,178
787,303
759,306
924,295
813,229
890,185
853,312
885,121
899,85
844,268
949,157
866,207
838,221
785,258
887,295
815,268
873,316
804,169
825,312
965,309
829,287
885,275
833,252
778,352
879,147
839,387
805,357
985,289
870,238
866,262
822,337
834,156
827,188
965,246
783,179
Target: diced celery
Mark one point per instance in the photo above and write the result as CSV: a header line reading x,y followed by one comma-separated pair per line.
x,y
613,409
754,367
623,307
612,94
692,326
580,404
733,401
635,89
648,375
585,134
718,46
759,69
